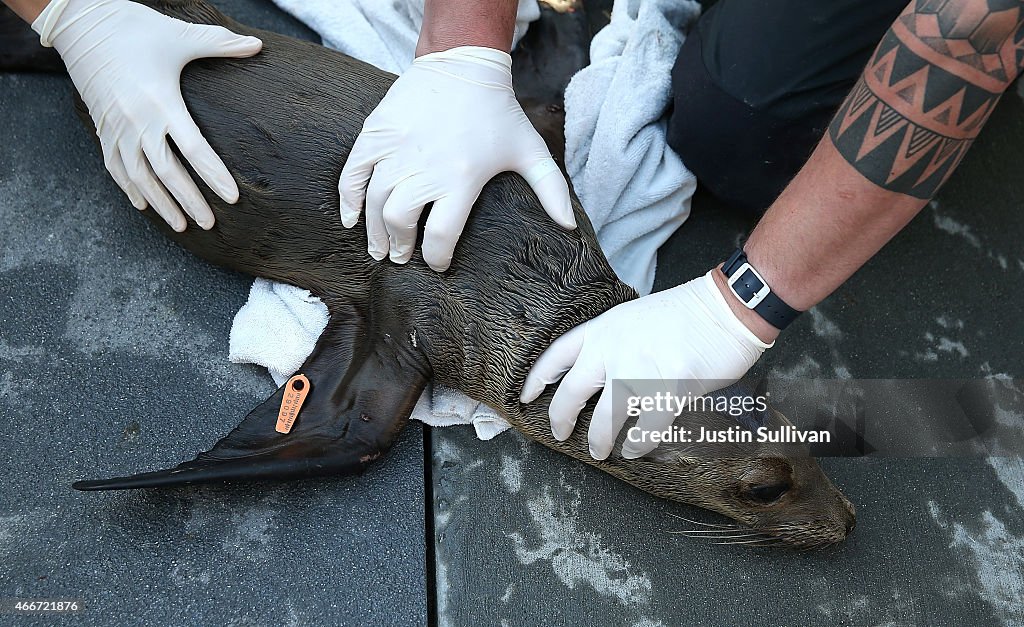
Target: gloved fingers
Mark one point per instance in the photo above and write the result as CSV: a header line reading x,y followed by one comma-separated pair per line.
x,y
603,426
177,181
443,229
115,165
143,178
401,214
552,364
583,380
648,423
201,156
217,41
377,193
355,178
553,192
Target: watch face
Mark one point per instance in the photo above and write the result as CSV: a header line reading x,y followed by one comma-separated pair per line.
x,y
748,285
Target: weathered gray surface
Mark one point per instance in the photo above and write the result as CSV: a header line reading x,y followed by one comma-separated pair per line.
x,y
111,340
113,358
524,534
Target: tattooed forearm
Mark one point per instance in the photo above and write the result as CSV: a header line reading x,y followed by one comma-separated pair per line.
x,y
927,91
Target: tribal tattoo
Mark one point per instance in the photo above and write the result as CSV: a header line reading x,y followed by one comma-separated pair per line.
x,y
927,91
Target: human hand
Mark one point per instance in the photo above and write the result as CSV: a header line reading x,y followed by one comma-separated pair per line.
x,y
446,127
687,334
126,61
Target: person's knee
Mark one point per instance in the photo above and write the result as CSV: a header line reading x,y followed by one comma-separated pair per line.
x,y
741,153
756,83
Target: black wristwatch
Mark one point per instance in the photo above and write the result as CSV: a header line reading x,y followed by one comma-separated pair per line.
x,y
753,291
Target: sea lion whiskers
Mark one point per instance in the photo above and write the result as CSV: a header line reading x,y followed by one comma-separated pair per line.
x,y
708,534
764,542
739,535
705,524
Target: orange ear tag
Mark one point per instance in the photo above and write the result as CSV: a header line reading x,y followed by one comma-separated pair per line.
x,y
295,392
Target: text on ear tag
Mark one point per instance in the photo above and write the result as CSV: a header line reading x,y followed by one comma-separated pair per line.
x,y
295,392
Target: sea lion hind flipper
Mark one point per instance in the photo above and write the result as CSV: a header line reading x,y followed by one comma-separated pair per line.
x,y
359,400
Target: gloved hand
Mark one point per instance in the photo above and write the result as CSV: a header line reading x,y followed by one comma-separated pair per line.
x,y
126,61
687,333
447,126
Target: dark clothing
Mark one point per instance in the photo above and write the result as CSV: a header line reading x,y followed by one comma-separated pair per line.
x,y
756,85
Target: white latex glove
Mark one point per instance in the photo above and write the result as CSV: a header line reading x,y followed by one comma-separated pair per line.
x,y
126,61
686,334
446,127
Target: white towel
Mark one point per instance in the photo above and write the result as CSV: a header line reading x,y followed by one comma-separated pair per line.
x,y
277,328
635,189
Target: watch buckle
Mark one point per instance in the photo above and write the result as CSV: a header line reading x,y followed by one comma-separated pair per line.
x,y
759,296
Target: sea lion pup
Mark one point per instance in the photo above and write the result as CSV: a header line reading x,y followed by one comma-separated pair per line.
x,y
283,121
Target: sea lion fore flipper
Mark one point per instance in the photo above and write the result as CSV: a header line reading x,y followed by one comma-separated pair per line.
x,y
360,398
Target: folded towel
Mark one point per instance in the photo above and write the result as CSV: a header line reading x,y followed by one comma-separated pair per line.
x,y
277,328
635,189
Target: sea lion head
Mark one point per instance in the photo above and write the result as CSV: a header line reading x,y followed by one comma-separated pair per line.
x,y
777,493
777,500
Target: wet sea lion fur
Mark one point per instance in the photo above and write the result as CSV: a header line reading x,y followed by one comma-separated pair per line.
x,y
284,121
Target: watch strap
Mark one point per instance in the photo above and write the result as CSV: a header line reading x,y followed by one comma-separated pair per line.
x,y
750,287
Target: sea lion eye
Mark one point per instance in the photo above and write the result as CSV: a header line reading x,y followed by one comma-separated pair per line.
x,y
768,493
